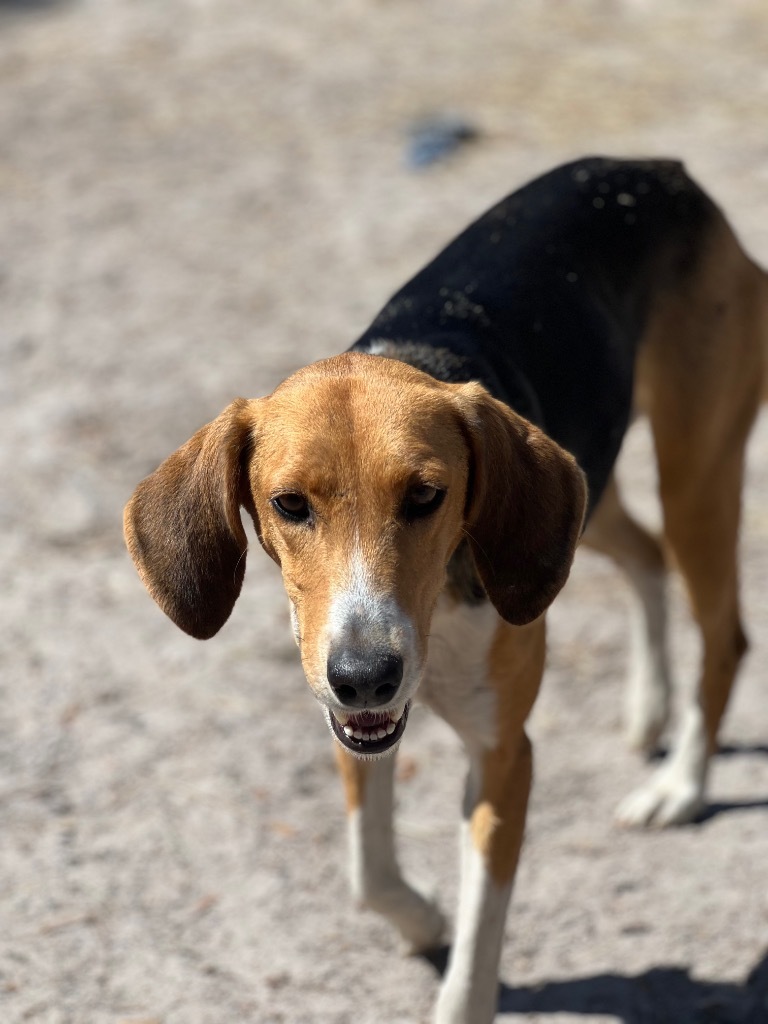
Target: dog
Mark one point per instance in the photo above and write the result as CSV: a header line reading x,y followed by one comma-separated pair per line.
x,y
424,492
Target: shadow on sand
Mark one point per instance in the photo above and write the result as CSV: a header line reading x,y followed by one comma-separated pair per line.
x,y
663,995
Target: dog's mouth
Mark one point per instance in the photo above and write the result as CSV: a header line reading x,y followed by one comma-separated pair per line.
x,y
369,733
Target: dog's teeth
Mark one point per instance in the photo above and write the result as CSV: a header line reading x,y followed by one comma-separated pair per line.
x,y
373,733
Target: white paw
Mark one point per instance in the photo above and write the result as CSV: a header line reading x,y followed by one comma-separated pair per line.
x,y
666,799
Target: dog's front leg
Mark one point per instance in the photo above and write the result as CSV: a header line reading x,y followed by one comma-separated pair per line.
x,y
377,883
497,792
495,807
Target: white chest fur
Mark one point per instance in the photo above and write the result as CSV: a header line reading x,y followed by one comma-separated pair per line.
x,y
455,684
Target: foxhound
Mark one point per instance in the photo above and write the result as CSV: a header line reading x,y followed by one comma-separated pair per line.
x,y
423,494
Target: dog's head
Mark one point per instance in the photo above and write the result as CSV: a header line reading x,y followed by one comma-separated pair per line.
x,y
362,475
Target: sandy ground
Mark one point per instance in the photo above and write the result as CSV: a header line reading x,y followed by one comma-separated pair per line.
x,y
195,199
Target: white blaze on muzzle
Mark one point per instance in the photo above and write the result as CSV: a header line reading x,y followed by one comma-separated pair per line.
x,y
372,666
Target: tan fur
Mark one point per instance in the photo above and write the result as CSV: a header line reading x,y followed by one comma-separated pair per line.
x,y
353,774
701,396
357,470
515,668
700,377
353,433
700,380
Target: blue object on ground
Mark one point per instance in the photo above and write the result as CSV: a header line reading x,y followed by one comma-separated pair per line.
x,y
435,138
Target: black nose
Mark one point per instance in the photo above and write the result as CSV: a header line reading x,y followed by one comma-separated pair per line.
x,y
364,679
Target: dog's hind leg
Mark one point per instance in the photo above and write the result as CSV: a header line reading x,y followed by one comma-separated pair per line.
x,y
613,532
701,525
377,883
702,367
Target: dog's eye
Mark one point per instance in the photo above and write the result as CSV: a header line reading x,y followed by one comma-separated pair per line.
x,y
292,506
422,500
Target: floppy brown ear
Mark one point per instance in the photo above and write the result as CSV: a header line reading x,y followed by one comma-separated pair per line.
x,y
183,528
525,507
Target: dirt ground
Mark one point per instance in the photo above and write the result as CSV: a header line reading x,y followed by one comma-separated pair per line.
x,y
196,198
